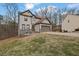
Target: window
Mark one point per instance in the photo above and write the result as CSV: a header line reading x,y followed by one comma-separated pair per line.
x,y
23,26
25,19
68,21
28,27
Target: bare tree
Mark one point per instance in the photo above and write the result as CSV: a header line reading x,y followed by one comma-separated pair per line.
x,y
11,13
71,11
11,10
49,13
46,13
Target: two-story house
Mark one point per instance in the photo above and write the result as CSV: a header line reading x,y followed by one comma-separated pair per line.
x,y
28,23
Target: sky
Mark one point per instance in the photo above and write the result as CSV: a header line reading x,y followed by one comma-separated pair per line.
x,y
36,6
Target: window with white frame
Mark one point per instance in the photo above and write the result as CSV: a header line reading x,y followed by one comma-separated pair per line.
x,y
28,26
23,26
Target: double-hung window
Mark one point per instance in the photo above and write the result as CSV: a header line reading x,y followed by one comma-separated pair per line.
x,y
23,26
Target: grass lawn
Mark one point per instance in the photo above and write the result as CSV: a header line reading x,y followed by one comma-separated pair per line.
x,y
40,45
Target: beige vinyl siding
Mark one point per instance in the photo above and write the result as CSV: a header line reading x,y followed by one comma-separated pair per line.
x,y
45,21
34,20
24,22
37,27
70,23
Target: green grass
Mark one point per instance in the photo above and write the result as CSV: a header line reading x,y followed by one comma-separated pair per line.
x,y
41,45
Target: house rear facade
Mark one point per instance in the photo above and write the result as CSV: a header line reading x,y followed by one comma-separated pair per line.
x,y
29,23
70,23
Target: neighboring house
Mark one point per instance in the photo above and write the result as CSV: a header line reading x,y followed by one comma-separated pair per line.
x,y
28,23
4,19
70,23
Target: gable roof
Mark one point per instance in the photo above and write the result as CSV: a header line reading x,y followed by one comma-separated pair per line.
x,y
31,14
70,15
27,13
41,21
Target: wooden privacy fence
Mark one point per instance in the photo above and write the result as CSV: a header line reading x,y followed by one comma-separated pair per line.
x,y
8,31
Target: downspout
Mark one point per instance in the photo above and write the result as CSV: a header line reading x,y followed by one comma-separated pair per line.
x,y
39,28
31,23
18,23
